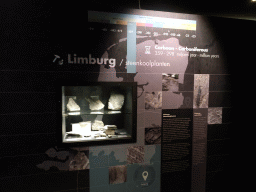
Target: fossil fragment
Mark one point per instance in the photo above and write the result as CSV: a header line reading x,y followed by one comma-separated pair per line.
x,y
110,132
72,106
112,136
97,125
95,103
103,135
71,135
116,101
112,127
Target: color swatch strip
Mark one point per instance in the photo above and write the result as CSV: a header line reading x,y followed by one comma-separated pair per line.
x,y
124,19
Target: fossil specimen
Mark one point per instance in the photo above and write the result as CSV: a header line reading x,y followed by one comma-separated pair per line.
x,y
95,103
72,106
97,125
116,101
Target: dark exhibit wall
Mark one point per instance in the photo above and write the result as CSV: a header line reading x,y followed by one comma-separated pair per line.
x,y
185,69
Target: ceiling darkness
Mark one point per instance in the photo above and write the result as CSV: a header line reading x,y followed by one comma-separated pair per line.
x,y
244,9
48,10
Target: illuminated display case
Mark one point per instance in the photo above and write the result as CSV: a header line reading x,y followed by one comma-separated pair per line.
x,y
98,113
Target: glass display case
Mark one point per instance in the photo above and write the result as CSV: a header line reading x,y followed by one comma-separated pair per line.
x,y
99,113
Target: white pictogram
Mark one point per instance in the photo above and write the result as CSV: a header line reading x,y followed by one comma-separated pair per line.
x,y
147,51
155,34
56,57
145,175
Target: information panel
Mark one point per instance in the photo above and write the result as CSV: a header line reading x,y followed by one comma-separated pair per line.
x,y
177,149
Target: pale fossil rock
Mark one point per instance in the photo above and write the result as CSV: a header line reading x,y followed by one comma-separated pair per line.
x,y
72,106
116,101
111,127
110,132
95,103
97,125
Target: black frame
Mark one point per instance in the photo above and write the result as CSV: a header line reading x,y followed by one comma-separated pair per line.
x,y
133,138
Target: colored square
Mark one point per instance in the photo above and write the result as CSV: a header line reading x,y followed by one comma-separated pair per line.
x,y
140,24
99,189
117,156
99,177
117,174
120,22
118,187
149,25
98,157
160,25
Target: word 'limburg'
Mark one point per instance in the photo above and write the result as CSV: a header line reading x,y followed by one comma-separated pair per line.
x,y
91,60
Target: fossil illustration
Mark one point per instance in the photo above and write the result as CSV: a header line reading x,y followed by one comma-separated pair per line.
x,y
201,91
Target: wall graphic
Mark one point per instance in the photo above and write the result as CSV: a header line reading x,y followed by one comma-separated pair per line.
x,y
181,66
164,56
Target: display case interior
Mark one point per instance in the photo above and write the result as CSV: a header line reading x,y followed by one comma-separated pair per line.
x,y
99,113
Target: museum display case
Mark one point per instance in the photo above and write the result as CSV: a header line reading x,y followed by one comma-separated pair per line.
x,y
98,113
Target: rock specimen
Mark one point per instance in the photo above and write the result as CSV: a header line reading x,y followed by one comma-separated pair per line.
x,y
103,135
71,135
95,103
72,106
97,125
110,132
112,136
116,101
85,124
111,127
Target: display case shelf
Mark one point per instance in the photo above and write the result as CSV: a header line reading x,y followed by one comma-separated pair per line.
x,y
89,112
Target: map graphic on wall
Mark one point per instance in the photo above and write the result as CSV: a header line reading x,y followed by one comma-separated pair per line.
x,y
178,63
